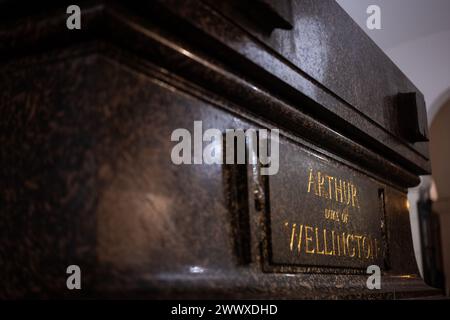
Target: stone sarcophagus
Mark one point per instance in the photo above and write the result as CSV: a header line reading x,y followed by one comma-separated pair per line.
x,y
115,141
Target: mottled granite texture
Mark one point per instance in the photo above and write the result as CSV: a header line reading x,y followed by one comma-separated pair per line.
x,y
86,176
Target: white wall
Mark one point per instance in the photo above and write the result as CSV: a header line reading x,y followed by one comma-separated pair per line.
x,y
426,61
415,34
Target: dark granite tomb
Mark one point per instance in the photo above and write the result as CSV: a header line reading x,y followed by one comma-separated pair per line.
x,y
86,176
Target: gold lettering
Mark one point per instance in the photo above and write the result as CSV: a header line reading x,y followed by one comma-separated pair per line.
x,y
343,244
299,246
348,245
330,242
291,245
334,248
327,253
311,182
338,190
321,182
308,240
344,191
317,243
367,256
358,238
339,244
330,178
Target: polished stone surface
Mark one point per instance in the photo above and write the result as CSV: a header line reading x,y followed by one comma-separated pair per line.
x,y
86,176
323,214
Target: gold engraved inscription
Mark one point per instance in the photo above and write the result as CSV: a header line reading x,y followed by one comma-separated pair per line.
x,y
321,241
333,188
343,196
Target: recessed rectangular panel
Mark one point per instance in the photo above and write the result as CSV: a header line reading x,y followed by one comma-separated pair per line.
x,y
322,213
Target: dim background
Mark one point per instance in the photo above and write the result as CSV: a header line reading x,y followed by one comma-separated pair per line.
x,y
415,34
